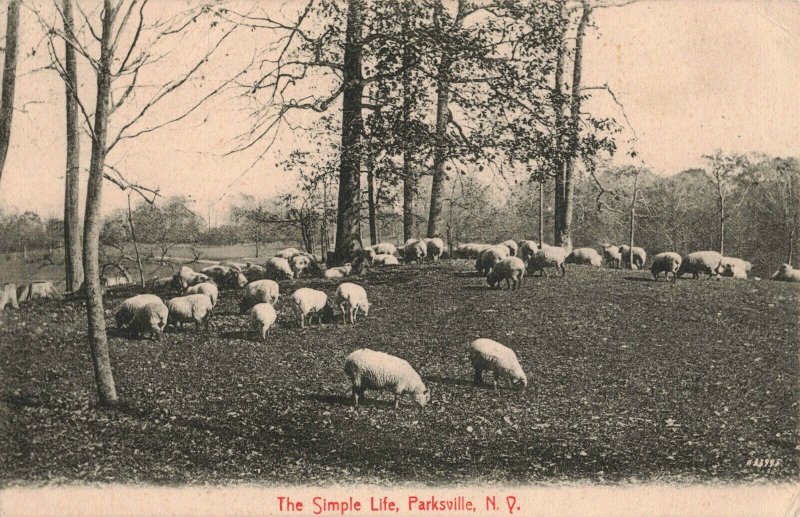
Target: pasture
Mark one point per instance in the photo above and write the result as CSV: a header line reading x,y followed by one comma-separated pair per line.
x,y
629,380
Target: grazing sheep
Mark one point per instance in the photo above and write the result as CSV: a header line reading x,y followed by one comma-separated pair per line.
x,y
733,271
310,302
209,289
491,356
612,256
526,249
254,272
287,253
151,318
740,264
37,291
510,269
192,307
263,316
584,256
368,369
128,308
512,247
114,281
639,256
786,274
385,260
701,262
8,296
350,298
225,276
159,283
278,268
667,262
187,277
434,247
548,256
260,291
384,248
489,257
238,266
469,250
338,272
414,250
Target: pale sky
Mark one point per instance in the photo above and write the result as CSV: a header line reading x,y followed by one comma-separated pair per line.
x,y
693,76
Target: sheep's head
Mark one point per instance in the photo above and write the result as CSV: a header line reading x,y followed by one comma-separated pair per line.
x,y
326,314
423,397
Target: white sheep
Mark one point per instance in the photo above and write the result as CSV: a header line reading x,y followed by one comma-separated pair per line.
x,y
414,250
187,277
733,271
338,272
737,263
287,253
350,298
489,257
262,317
384,248
512,246
8,296
786,273
278,268
152,318
310,302
510,269
128,308
192,307
612,256
385,260
225,276
548,256
701,262
584,256
41,290
526,249
434,247
299,264
489,355
639,256
666,262
260,291
209,289
371,370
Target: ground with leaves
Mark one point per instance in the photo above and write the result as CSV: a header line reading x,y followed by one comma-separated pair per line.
x,y
629,380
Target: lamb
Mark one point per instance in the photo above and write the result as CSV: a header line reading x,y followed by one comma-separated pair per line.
x,y
434,248
667,262
192,307
526,249
385,260
42,290
152,318
263,316
548,256
260,291
310,302
488,355
612,256
8,296
338,272
128,308
287,253
639,256
278,268
209,289
786,274
384,248
350,298
701,262
489,257
512,247
510,269
414,250
584,256
368,369
187,277
742,265
225,276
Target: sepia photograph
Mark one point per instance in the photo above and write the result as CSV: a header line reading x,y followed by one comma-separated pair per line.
x,y
399,257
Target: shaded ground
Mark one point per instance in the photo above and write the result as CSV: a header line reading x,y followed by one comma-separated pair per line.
x,y
628,380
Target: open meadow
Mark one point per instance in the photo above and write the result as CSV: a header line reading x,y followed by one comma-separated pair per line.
x,y
629,380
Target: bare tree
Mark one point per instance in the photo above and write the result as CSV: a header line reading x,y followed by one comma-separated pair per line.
x,y
9,80
724,168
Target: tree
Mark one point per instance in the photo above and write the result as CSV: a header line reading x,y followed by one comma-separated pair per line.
x,y
9,79
723,171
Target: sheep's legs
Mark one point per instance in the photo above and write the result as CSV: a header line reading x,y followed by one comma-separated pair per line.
x,y
478,380
344,317
396,401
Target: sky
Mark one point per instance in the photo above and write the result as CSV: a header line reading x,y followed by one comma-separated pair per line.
x,y
693,77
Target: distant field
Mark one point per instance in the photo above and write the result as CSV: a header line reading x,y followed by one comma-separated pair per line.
x,y
629,380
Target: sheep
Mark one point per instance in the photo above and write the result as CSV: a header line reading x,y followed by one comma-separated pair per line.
x,y
512,246
469,250
287,253
786,274
187,277
128,308
262,317
305,264
254,272
384,248
548,256
368,369
489,257
526,249
612,256
238,266
350,298
278,268
385,260
209,289
667,262
639,256
192,307
434,248
260,291
742,265
489,355
338,272
700,262
225,276
414,250
151,317
8,296
510,269
584,256
42,290
310,302
733,271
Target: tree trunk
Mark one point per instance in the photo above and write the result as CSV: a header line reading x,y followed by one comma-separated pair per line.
x,y
791,247
98,340
409,179
558,136
633,220
440,150
135,242
541,213
348,220
721,204
73,263
9,80
373,228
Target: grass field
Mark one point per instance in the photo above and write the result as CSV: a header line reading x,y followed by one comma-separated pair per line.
x,y
629,380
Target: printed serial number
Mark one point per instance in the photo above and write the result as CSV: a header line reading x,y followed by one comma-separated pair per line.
x,y
764,463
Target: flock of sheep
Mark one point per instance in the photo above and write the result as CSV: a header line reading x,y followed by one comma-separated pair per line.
x,y
508,261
